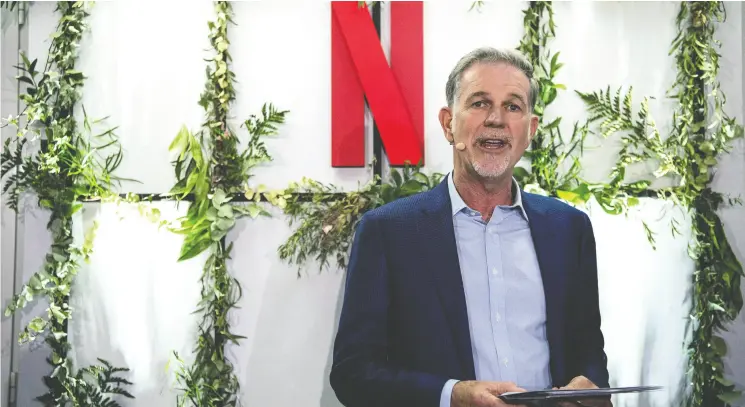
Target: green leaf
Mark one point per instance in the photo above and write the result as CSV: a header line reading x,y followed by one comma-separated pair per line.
x,y
723,381
410,187
225,224
716,307
521,174
568,196
720,346
254,211
730,397
194,247
57,313
37,324
196,152
211,214
396,177
219,198
180,142
226,211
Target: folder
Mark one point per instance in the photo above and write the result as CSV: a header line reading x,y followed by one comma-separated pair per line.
x,y
531,397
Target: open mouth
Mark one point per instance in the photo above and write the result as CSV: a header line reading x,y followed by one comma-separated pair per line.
x,y
493,144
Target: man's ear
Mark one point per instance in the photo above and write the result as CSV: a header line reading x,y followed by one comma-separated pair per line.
x,y
446,121
533,128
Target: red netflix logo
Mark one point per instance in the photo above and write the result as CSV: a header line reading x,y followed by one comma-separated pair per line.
x,y
394,93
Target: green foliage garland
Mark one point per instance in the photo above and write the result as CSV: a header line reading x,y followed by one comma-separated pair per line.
x,y
548,150
703,131
210,168
328,219
550,154
69,167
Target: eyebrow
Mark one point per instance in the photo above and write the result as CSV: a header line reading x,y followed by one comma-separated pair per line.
x,y
484,93
518,97
476,94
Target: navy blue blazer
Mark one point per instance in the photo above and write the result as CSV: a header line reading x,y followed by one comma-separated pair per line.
x,y
403,330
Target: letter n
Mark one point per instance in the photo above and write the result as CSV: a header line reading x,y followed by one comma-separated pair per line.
x,y
395,92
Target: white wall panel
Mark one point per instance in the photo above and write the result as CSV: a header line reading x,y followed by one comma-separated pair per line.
x,y
146,71
134,304
289,322
134,310
282,54
643,297
600,45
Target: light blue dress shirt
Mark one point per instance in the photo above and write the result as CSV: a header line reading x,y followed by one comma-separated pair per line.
x,y
504,295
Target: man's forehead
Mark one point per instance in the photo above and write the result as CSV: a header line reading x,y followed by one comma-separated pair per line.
x,y
499,74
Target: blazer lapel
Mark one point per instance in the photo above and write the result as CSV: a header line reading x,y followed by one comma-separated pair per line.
x,y
554,280
444,262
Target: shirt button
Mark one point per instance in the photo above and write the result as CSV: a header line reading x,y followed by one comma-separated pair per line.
x,y
494,271
505,361
498,318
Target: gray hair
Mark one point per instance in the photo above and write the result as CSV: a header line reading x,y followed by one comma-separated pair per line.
x,y
491,55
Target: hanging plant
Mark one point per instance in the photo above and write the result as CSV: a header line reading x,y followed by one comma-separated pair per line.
x,y
555,163
328,217
703,131
72,165
548,151
641,142
211,171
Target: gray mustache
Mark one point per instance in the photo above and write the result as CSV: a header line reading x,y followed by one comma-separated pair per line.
x,y
502,139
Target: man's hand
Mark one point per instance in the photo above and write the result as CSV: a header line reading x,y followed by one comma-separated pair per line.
x,y
579,383
481,394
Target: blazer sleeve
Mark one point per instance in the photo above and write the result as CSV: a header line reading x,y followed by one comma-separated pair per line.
x,y
588,341
361,374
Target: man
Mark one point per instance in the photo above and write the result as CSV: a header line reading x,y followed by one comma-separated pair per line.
x,y
475,288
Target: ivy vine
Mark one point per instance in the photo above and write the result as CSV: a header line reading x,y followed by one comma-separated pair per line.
x,y
548,151
210,169
703,131
68,168
328,218
555,163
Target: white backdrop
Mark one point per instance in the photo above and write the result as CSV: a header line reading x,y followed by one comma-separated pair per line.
x,y
148,81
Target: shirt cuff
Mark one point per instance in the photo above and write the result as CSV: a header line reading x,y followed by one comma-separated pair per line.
x,y
447,392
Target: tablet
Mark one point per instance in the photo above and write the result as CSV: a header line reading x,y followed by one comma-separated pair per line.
x,y
568,394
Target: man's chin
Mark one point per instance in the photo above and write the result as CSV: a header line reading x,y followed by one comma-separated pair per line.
x,y
492,174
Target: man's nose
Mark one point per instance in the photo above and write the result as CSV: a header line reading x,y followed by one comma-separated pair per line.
x,y
494,118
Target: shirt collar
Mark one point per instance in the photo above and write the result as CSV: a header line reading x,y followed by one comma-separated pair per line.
x,y
458,204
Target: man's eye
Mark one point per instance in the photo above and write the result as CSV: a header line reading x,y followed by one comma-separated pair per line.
x,y
513,107
479,103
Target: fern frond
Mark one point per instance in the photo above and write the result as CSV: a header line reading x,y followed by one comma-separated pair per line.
x,y
613,109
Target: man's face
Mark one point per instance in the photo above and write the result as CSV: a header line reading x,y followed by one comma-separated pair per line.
x,y
491,116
